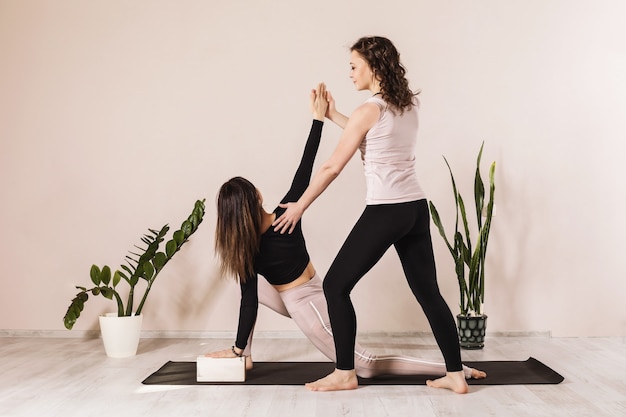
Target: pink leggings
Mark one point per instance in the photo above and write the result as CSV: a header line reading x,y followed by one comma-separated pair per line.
x,y
306,305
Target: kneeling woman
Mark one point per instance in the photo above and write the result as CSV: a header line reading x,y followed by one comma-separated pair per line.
x,y
248,247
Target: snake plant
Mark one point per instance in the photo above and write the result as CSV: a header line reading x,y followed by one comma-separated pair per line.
x,y
470,257
144,264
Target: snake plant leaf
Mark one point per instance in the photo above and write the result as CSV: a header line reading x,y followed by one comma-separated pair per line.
x,y
479,188
467,256
479,196
461,209
437,220
455,193
94,273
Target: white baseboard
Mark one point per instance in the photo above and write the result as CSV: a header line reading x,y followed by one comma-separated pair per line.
x,y
268,334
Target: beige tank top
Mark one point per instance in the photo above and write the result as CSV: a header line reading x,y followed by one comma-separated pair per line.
x,y
388,155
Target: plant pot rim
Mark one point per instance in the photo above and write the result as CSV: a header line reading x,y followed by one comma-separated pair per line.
x,y
468,316
114,315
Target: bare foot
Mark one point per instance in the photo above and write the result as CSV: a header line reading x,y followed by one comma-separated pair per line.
x,y
454,381
335,381
250,364
478,374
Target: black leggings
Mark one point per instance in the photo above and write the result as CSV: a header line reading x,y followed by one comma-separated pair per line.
x,y
407,227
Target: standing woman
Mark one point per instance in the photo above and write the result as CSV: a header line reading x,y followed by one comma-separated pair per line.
x,y
384,129
248,246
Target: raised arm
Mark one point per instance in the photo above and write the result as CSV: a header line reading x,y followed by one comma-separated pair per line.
x,y
303,173
356,128
333,115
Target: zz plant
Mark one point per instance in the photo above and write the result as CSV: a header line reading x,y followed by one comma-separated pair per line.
x,y
470,257
143,265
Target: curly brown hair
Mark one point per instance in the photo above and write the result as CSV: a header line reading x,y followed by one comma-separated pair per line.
x,y
384,60
238,228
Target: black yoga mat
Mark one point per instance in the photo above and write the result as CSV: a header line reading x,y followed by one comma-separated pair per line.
x,y
530,371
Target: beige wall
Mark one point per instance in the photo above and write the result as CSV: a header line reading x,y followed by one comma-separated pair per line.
x,y
115,116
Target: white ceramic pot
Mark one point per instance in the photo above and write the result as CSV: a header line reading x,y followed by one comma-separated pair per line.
x,y
120,334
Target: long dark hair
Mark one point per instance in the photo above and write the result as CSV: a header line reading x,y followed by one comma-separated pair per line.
x,y
238,229
384,60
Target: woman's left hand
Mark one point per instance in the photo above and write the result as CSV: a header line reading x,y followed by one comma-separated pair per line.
x,y
288,220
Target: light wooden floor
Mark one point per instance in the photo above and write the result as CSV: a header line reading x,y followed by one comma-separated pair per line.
x,y
43,376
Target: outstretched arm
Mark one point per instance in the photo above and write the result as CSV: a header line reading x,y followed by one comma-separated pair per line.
x,y
356,128
333,115
303,173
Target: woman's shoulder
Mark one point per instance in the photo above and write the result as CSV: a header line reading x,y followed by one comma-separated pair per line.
x,y
373,106
376,100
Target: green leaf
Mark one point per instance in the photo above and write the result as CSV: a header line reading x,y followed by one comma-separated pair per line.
x,y
479,189
194,220
73,311
94,273
179,237
96,290
170,248
133,280
107,292
148,270
127,269
160,259
105,275
117,276
187,227
437,220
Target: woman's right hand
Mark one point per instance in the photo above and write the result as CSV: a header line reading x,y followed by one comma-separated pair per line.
x,y
331,110
226,353
332,114
288,220
319,102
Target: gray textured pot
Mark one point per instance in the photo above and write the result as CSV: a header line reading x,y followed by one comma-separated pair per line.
x,y
472,331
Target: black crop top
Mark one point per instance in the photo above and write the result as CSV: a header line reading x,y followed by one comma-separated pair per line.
x,y
282,257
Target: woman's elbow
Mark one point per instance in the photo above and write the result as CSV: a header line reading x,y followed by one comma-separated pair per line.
x,y
332,170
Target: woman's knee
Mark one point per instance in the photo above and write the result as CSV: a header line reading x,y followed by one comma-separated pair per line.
x,y
334,289
328,287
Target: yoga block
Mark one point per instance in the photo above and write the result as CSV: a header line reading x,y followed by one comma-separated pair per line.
x,y
220,369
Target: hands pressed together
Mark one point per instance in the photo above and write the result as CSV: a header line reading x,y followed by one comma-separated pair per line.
x,y
322,103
